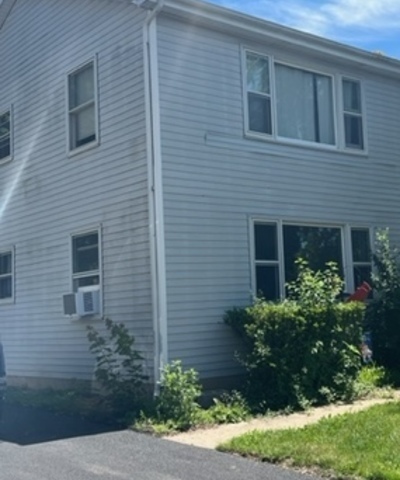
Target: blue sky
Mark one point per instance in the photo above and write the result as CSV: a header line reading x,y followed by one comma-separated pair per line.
x,y
372,25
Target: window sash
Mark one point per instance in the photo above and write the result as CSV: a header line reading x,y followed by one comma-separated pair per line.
x,y
5,134
82,106
85,259
6,276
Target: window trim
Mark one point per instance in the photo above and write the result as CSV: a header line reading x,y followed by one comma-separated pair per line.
x,y
356,151
9,300
79,233
96,142
337,99
347,254
11,155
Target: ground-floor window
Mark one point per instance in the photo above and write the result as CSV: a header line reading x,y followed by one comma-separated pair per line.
x,y
6,275
85,259
277,245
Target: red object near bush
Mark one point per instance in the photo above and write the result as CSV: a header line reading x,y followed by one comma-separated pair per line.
x,y
361,293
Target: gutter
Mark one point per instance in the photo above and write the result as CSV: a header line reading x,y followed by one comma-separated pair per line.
x,y
155,186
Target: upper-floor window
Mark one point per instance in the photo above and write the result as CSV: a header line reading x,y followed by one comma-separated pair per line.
x,y
82,106
5,135
6,275
85,260
296,104
352,114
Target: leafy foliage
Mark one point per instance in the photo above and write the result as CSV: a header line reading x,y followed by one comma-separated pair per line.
x,y
229,408
179,392
383,314
118,366
302,351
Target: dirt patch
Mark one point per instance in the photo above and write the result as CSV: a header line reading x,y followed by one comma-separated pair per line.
x,y
211,437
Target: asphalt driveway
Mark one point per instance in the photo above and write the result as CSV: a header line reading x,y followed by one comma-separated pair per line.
x,y
74,449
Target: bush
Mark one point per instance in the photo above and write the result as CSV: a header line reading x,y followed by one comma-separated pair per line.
x,y
383,313
118,366
229,408
302,351
179,392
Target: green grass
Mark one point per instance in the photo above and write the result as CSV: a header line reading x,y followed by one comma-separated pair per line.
x,y
364,444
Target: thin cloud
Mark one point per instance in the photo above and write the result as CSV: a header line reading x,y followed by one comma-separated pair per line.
x,y
362,23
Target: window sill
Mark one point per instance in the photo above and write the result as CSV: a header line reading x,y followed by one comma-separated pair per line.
x,y
7,301
6,160
304,144
83,148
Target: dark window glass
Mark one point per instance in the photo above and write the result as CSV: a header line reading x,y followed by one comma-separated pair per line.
x,y
317,245
86,281
266,242
353,131
351,96
5,288
5,129
267,277
5,263
360,245
85,253
259,113
362,273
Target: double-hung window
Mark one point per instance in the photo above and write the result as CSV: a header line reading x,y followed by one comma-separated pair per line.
x,y
289,103
352,114
5,135
85,259
361,255
82,106
277,246
6,276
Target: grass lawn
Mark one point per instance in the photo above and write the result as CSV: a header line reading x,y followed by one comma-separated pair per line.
x,y
364,444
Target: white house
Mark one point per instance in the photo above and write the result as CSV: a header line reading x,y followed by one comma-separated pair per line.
x,y
176,157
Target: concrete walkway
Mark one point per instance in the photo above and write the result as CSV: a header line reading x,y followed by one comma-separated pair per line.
x,y
211,437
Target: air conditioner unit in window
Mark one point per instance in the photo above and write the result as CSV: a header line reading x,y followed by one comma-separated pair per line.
x,y
88,300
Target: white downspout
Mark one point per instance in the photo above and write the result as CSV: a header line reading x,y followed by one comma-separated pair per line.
x,y
155,193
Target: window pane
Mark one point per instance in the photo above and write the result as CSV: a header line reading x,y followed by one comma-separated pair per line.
x,y
351,96
267,277
304,105
84,126
5,263
5,147
85,253
266,242
81,86
362,273
353,131
360,245
257,73
85,282
259,113
4,124
5,288
317,245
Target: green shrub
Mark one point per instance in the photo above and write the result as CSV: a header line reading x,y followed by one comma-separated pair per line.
x,y
118,366
228,408
369,379
179,392
302,351
383,313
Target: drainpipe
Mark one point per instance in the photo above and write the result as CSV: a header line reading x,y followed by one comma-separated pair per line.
x,y
155,193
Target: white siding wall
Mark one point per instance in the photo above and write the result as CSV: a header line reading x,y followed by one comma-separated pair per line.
x,y
215,179
46,195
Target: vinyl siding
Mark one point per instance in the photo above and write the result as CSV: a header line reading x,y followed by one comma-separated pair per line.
x,y
215,179
45,195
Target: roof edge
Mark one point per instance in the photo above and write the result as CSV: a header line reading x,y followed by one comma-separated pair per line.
x,y
199,11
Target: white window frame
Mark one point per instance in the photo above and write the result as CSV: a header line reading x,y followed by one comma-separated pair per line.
x,y
8,300
74,150
347,254
363,116
337,99
9,157
74,276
